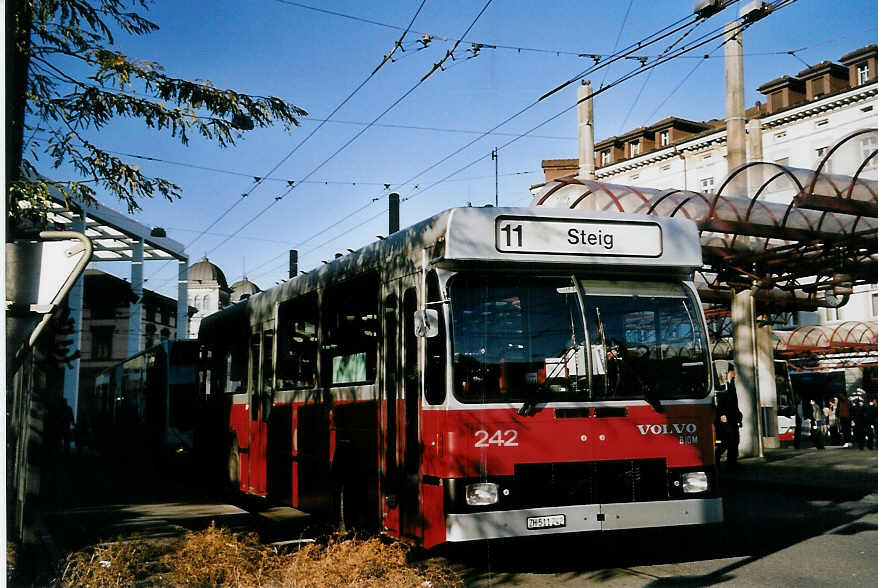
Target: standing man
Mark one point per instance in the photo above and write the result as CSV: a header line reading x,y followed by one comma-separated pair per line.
x,y
818,425
728,421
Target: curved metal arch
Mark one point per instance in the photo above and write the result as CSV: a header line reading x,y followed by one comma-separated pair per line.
x,y
561,183
805,334
613,197
741,168
588,192
832,150
856,176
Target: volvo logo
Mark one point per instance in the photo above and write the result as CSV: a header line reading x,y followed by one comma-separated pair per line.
x,y
667,429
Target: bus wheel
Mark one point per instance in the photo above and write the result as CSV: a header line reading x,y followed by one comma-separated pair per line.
x,y
233,465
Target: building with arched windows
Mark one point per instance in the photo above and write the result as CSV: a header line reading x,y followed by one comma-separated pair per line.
x,y
208,292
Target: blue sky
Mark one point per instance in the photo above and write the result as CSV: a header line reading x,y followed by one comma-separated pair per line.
x,y
315,60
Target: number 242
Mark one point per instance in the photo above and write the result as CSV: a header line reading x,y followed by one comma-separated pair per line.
x,y
508,438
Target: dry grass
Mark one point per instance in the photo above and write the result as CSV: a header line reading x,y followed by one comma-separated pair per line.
x,y
122,563
218,557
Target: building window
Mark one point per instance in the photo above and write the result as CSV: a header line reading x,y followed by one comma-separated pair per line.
x,y
635,177
780,135
665,138
863,73
666,167
606,157
101,342
817,86
822,122
707,185
634,148
821,152
869,145
776,99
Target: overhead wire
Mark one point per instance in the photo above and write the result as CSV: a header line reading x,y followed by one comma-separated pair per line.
x,y
649,75
297,147
347,143
618,37
703,40
654,38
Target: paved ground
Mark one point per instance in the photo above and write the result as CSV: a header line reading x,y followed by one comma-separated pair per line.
x,y
833,468
156,508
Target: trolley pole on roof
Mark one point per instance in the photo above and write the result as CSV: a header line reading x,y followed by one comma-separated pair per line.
x,y
496,157
393,225
294,263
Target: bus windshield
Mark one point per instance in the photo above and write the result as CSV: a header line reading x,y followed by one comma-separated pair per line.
x,y
518,337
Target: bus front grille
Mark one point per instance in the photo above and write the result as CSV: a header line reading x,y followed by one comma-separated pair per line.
x,y
594,482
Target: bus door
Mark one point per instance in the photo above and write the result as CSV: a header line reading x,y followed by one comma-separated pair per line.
x,y
391,478
261,398
410,492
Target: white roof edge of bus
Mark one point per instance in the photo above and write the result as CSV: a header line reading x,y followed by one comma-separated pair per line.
x,y
681,250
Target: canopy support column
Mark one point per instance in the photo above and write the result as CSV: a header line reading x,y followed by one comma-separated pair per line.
x,y
135,314
183,299
74,302
746,380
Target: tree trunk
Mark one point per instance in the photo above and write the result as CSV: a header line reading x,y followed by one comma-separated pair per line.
x,y
19,16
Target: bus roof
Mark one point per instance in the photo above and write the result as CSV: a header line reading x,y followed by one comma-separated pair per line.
x,y
520,237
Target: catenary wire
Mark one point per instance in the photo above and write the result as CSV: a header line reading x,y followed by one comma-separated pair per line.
x,y
346,144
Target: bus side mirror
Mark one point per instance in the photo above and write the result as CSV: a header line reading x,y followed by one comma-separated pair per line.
x,y
427,322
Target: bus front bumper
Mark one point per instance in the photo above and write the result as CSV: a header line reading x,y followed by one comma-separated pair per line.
x,y
582,518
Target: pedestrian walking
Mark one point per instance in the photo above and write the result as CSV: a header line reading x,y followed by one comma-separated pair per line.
x,y
832,423
872,424
844,420
860,423
818,424
727,422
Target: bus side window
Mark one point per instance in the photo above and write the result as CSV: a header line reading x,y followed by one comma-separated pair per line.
x,y
236,370
297,343
350,332
436,356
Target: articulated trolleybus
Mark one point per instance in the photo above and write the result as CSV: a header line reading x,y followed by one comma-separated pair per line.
x,y
486,373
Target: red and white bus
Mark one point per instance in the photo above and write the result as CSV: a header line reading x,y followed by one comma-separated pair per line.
x,y
485,373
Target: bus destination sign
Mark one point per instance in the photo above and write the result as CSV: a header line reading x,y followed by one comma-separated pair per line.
x,y
578,237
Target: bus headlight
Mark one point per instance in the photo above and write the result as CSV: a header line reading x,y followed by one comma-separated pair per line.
x,y
695,482
481,494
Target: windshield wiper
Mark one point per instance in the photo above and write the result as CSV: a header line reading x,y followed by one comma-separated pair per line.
x,y
529,408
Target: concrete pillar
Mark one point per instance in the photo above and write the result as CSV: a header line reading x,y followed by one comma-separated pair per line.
x,y
755,177
585,113
183,300
746,378
767,385
135,309
736,137
74,301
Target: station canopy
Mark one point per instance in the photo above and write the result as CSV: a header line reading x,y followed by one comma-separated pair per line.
x,y
798,238
114,235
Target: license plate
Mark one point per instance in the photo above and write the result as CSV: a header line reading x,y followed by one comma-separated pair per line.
x,y
546,522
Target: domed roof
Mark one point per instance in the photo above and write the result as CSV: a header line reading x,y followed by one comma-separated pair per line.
x,y
243,289
206,272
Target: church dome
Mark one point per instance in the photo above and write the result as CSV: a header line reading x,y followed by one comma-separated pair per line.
x,y
244,289
207,273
